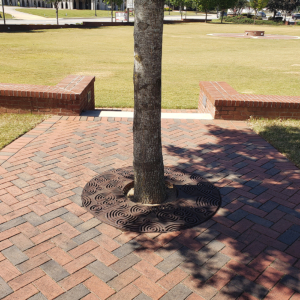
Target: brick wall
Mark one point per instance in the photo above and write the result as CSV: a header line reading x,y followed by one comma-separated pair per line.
x,y
223,102
29,27
254,33
69,97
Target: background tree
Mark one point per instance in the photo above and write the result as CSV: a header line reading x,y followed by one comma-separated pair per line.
x,y
239,6
2,2
149,184
224,5
258,5
188,4
180,4
206,5
289,6
168,3
112,5
274,6
196,5
55,3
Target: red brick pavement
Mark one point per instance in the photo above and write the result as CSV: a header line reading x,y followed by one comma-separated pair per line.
x,y
51,248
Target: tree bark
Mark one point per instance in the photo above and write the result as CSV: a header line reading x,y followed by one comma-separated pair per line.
x,y
56,7
3,12
111,11
149,184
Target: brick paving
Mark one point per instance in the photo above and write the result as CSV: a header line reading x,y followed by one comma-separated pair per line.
x,y
51,248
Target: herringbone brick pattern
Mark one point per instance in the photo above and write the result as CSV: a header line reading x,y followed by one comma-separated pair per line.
x,y
51,248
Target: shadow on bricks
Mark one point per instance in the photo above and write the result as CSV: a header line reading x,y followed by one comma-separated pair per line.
x,y
243,250
52,248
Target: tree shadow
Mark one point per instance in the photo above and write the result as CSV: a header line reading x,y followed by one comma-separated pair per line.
x,y
236,251
286,139
3,30
242,250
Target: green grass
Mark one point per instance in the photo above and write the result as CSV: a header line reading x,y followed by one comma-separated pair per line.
x,y
284,135
189,13
14,125
7,16
66,13
84,13
255,66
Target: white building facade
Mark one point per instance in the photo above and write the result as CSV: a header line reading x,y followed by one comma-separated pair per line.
x,y
65,4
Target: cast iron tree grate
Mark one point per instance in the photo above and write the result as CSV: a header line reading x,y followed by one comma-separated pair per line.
x,y
196,200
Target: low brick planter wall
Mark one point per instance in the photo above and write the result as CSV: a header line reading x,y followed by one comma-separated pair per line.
x,y
69,97
223,102
254,33
29,27
88,24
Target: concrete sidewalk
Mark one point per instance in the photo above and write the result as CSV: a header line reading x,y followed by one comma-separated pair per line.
x,y
24,18
129,114
51,248
21,15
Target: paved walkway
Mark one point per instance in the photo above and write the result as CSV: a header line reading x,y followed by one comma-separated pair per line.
x,y
51,248
21,15
129,114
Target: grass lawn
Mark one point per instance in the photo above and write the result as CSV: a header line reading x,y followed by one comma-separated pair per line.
x,y
255,66
189,13
14,125
284,135
7,16
66,13
85,13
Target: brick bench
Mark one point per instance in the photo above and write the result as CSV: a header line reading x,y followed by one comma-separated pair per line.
x,y
69,97
223,102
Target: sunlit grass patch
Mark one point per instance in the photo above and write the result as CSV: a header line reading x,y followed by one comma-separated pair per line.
x,y
44,57
66,13
14,125
87,13
7,16
188,13
284,135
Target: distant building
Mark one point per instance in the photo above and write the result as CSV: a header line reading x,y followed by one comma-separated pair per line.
x,y
65,4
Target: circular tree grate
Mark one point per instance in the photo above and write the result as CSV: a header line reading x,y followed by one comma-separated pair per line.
x,y
196,200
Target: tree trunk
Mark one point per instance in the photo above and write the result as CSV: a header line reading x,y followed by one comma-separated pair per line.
x,y
56,7
112,12
3,12
206,16
149,185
